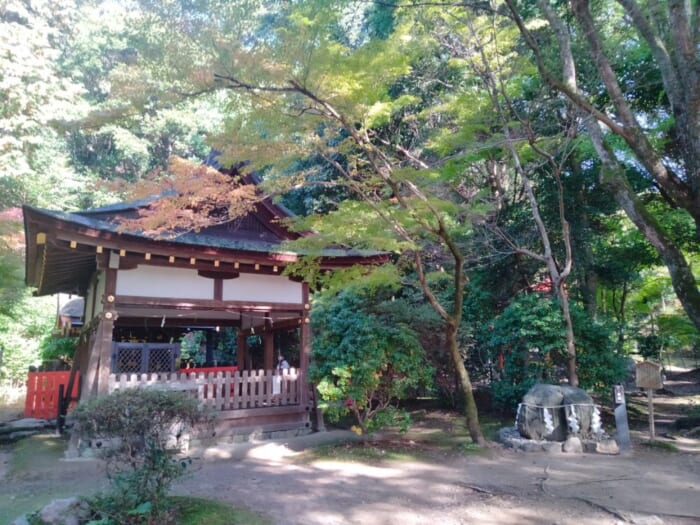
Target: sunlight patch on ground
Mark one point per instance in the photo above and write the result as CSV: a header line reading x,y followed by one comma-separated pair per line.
x,y
691,401
270,451
348,469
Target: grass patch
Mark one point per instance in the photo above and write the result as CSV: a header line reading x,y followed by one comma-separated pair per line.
x,y
661,445
364,452
490,425
36,453
434,435
200,511
32,479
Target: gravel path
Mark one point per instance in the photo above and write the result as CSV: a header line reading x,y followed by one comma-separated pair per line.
x,y
644,486
281,480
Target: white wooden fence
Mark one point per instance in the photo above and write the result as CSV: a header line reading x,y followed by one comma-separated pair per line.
x,y
222,390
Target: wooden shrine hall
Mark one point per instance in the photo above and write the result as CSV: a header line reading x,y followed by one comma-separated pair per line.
x,y
205,311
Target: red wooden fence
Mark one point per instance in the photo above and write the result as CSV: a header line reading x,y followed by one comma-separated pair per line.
x,y
42,393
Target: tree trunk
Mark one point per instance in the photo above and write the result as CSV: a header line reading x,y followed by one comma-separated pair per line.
x,y
470,410
682,278
570,340
612,173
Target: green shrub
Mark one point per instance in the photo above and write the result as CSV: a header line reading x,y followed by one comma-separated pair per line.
x,y
137,432
530,334
58,349
599,363
366,359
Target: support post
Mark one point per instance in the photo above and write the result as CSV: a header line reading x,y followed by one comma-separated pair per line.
x,y
91,372
242,352
623,431
650,404
103,348
109,316
269,347
60,414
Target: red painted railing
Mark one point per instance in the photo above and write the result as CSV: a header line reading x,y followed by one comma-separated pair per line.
x,y
209,369
42,393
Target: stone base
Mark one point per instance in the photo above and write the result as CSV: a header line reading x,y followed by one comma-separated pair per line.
x,y
511,438
254,435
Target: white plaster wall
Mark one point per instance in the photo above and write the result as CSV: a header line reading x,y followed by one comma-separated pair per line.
x,y
263,288
160,281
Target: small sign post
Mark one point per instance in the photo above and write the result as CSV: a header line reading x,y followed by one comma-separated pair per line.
x,y
621,424
649,378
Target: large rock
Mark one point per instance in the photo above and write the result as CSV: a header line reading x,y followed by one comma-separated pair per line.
x,y
68,511
546,412
583,408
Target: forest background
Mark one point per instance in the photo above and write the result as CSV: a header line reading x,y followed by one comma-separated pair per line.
x,y
533,168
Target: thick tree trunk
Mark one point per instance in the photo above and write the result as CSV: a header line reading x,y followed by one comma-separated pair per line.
x,y
682,278
612,173
612,176
589,283
470,410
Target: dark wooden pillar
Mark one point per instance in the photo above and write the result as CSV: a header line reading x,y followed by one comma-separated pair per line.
x,y
269,349
104,342
242,351
91,371
103,346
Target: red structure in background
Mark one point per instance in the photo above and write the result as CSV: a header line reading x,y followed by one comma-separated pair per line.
x,y
544,285
42,393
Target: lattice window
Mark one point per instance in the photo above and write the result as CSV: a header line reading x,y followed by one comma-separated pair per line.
x,y
128,360
135,358
161,359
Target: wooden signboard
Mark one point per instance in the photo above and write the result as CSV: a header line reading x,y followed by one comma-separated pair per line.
x,y
649,375
649,378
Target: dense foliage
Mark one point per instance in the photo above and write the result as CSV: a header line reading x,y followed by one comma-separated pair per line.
x,y
532,167
366,358
527,338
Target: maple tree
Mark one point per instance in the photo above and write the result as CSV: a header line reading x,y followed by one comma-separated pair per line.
x,y
477,142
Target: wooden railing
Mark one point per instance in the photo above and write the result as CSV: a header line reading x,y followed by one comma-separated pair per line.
x,y
222,391
43,393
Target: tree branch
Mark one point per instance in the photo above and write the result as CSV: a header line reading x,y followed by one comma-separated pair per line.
x,y
635,137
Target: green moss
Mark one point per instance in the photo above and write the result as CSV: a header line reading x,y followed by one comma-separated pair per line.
x,y
199,511
36,453
661,445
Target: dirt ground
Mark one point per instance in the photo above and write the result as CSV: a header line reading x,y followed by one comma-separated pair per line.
x,y
426,476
